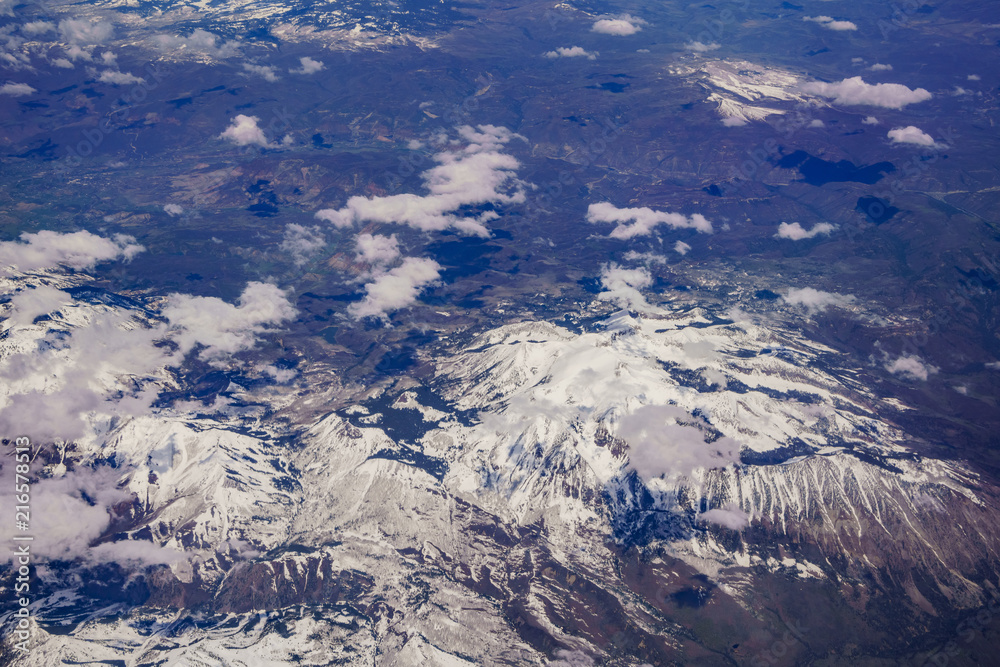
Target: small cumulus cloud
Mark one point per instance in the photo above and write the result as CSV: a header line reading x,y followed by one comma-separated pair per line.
x,y
243,131
815,301
280,375
472,171
34,28
911,367
376,249
911,135
831,23
644,220
621,25
567,658
681,248
869,120
731,516
797,232
173,210
16,89
220,329
266,72
733,121
667,441
199,41
572,52
76,250
396,289
622,286
855,91
302,242
77,52
119,78
879,67
700,47
973,77
307,65
816,122
83,31
33,302
644,257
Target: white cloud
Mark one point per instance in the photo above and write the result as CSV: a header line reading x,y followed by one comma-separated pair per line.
x,y
67,377
474,175
622,286
280,375
730,516
71,511
572,52
566,658
973,77
733,121
54,388
82,31
222,329
38,28
76,250
16,89
993,365
199,41
855,91
243,131
267,72
681,247
665,440
376,249
302,242
814,300
77,52
173,210
870,120
816,122
308,66
63,63
396,289
879,67
797,232
829,22
28,304
911,135
119,78
74,379
646,258
646,219
910,367
701,47
622,24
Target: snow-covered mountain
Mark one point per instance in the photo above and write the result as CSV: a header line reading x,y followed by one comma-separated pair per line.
x,y
547,494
